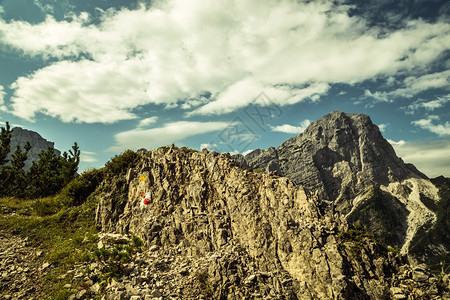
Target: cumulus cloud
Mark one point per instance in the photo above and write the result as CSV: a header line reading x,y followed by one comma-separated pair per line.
x,y
286,128
442,130
168,134
171,52
394,143
83,91
427,105
430,157
208,146
2,100
413,85
147,121
383,127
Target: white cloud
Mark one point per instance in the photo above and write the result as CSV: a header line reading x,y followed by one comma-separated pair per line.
x,y
168,134
47,8
430,157
414,85
87,156
147,121
427,124
49,38
208,146
2,100
247,152
383,127
286,128
84,91
394,143
427,105
291,50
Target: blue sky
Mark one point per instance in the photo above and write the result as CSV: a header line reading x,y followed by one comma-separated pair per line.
x,y
227,75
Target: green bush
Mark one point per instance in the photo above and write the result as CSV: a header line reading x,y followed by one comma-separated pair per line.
x,y
137,242
188,150
79,189
119,164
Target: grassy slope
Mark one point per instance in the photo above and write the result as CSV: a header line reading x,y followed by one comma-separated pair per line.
x,y
66,233
63,225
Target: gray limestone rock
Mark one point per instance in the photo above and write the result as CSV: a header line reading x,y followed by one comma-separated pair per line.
x,y
344,160
217,231
20,137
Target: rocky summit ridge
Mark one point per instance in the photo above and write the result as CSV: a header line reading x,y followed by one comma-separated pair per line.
x,y
216,230
344,160
20,137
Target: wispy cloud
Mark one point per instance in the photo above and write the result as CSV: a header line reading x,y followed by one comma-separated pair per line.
x,y
442,130
147,121
208,146
286,128
168,134
398,143
2,101
87,156
413,85
429,157
383,127
427,105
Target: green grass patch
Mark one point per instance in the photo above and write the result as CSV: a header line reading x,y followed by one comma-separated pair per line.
x,y
355,239
66,233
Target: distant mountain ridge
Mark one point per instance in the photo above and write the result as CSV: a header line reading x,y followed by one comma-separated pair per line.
x,y
344,160
20,137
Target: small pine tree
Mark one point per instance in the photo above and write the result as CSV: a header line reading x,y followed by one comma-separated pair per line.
x,y
70,163
15,177
46,177
5,140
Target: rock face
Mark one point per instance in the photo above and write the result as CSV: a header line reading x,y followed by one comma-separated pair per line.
x,y
345,161
20,137
251,235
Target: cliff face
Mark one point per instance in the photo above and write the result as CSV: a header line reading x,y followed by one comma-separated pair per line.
x,y
254,234
345,161
20,137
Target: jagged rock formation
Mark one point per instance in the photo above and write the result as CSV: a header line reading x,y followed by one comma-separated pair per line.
x,y
345,161
20,137
251,235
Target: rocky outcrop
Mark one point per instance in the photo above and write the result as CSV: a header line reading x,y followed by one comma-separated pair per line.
x,y
252,235
345,161
20,137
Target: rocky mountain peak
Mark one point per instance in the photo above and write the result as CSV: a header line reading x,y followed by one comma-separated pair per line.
x,y
20,137
353,142
344,160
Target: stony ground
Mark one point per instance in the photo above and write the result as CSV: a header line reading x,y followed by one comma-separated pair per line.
x,y
156,273
20,268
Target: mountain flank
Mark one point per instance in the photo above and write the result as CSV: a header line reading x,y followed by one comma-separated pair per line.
x,y
344,160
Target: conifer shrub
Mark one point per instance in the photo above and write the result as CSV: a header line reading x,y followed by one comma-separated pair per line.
x,y
119,164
